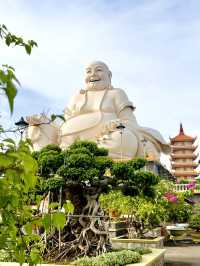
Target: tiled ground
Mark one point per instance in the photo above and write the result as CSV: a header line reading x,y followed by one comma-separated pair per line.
x,y
182,256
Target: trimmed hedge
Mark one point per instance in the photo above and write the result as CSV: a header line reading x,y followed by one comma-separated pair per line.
x,y
120,258
140,250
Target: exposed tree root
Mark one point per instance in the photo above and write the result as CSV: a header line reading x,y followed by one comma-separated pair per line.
x,y
86,235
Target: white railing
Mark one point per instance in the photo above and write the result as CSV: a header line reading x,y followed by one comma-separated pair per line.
x,y
185,187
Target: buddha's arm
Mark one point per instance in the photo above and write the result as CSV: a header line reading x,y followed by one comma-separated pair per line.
x,y
70,109
124,109
127,116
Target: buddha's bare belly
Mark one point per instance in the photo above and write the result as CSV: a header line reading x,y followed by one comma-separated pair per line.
x,y
93,127
90,122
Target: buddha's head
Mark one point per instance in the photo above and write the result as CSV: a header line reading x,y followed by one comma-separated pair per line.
x,y
97,76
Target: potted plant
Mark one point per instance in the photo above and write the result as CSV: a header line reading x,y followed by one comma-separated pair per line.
x,y
142,216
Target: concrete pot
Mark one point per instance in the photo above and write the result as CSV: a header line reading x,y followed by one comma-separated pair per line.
x,y
195,236
117,228
119,243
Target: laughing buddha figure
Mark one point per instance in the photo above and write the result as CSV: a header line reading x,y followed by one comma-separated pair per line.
x,y
96,113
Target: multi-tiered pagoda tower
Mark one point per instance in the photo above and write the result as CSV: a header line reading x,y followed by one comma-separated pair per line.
x,y
183,156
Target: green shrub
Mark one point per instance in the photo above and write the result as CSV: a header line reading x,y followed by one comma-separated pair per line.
x,y
195,222
80,150
101,152
144,214
195,218
52,183
142,251
51,147
49,162
196,209
180,211
119,258
102,163
91,146
6,256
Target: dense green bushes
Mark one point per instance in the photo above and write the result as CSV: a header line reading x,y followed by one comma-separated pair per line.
x,y
133,180
120,258
195,218
140,250
180,211
142,213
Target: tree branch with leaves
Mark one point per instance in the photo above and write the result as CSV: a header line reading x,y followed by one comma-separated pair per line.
x,y
8,79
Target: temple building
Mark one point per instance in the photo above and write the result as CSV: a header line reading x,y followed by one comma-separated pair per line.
x,y
183,156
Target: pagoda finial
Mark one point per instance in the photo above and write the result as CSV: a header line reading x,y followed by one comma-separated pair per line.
x,y
181,129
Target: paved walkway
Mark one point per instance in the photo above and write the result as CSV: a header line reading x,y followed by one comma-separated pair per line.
x,y
182,256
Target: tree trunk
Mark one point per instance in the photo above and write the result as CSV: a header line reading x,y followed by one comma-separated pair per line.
x,y
84,234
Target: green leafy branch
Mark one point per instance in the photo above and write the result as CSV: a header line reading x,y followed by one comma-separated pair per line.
x,y
8,80
8,84
10,39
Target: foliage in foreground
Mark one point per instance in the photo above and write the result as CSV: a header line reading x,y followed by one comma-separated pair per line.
x,y
8,80
18,177
119,258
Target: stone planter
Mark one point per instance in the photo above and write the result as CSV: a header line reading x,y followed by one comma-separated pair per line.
x,y
156,258
195,236
117,229
118,243
179,234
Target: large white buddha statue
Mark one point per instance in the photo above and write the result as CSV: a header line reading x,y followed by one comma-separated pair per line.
x,y
96,113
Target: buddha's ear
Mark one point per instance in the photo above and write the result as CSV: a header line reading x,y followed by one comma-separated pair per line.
x,y
110,75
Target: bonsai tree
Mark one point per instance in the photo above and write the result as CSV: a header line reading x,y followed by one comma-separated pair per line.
x,y
79,174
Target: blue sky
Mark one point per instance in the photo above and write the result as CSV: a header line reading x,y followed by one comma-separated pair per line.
x,y
152,48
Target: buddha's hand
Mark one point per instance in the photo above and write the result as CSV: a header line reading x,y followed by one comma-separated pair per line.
x,y
37,120
111,126
68,112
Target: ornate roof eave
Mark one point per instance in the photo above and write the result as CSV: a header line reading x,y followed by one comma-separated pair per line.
x,y
184,156
176,168
183,139
179,174
188,147
185,164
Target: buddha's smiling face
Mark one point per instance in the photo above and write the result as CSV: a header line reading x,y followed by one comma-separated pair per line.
x,y
97,76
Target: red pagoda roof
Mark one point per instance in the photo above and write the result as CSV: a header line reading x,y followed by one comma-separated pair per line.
x,y
181,137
